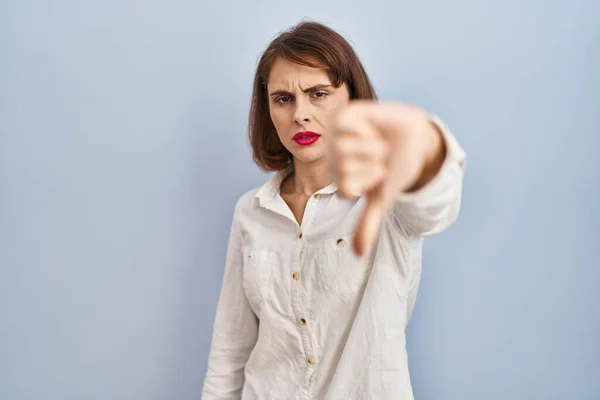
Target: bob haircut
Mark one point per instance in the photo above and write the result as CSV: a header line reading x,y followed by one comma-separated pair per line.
x,y
311,44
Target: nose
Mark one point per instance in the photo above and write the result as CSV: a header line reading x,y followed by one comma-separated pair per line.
x,y
302,112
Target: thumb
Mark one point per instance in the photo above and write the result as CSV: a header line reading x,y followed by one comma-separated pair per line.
x,y
369,223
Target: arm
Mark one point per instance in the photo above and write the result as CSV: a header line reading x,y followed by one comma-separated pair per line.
x,y
409,168
432,204
235,329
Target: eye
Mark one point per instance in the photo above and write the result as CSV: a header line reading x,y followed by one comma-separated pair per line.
x,y
320,94
283,99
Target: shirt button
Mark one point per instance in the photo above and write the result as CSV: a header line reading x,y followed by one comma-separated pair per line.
x,y
311,360
296,276
302,321
340,242
299,235
317,196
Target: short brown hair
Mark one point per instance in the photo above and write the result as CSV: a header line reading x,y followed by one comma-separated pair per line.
x,y
310,44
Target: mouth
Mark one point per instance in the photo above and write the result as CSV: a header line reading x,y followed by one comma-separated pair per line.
x,y
306,138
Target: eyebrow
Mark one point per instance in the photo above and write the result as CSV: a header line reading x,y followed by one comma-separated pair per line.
x,y
307,90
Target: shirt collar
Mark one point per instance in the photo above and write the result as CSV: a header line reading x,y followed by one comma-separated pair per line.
x,y
272,188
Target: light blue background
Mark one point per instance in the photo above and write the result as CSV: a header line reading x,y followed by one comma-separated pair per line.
x,y
123,150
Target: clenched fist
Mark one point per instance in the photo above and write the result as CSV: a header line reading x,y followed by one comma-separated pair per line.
x,y
382,150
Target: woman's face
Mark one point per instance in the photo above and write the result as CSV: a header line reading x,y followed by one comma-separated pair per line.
x,y
302,102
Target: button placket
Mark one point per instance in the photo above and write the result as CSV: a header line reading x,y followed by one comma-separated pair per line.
x,y
311,209
298,308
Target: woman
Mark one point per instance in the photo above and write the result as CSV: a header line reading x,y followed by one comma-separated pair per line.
x,y
324,259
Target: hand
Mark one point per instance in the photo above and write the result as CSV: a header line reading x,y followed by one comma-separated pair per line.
x,y
382,150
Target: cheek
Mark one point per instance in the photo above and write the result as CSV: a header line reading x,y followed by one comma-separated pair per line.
x,y
280,128
278,117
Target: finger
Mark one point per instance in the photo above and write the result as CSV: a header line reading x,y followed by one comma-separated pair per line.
x,y
353,157
371,149
352,127
369,224
364,178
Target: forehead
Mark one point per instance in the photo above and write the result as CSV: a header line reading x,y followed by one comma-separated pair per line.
x,y
286,75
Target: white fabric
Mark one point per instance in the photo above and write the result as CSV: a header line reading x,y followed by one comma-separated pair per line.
x,y
353,344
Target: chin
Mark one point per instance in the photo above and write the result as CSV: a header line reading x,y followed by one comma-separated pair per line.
x,y
308,156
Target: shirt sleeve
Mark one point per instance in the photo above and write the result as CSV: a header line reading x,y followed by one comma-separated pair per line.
x,y
435,206
235,329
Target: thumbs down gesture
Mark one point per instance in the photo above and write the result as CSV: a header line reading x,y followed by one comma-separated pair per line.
x,y
382,150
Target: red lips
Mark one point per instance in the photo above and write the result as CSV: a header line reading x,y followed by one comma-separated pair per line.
x,y
306,138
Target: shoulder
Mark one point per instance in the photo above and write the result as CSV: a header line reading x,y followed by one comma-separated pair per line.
x,y
244,214
246,201
250,200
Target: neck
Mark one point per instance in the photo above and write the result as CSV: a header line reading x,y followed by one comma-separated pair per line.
x,y
309,178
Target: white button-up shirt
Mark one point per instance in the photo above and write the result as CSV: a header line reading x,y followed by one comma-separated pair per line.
x,y
300,316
